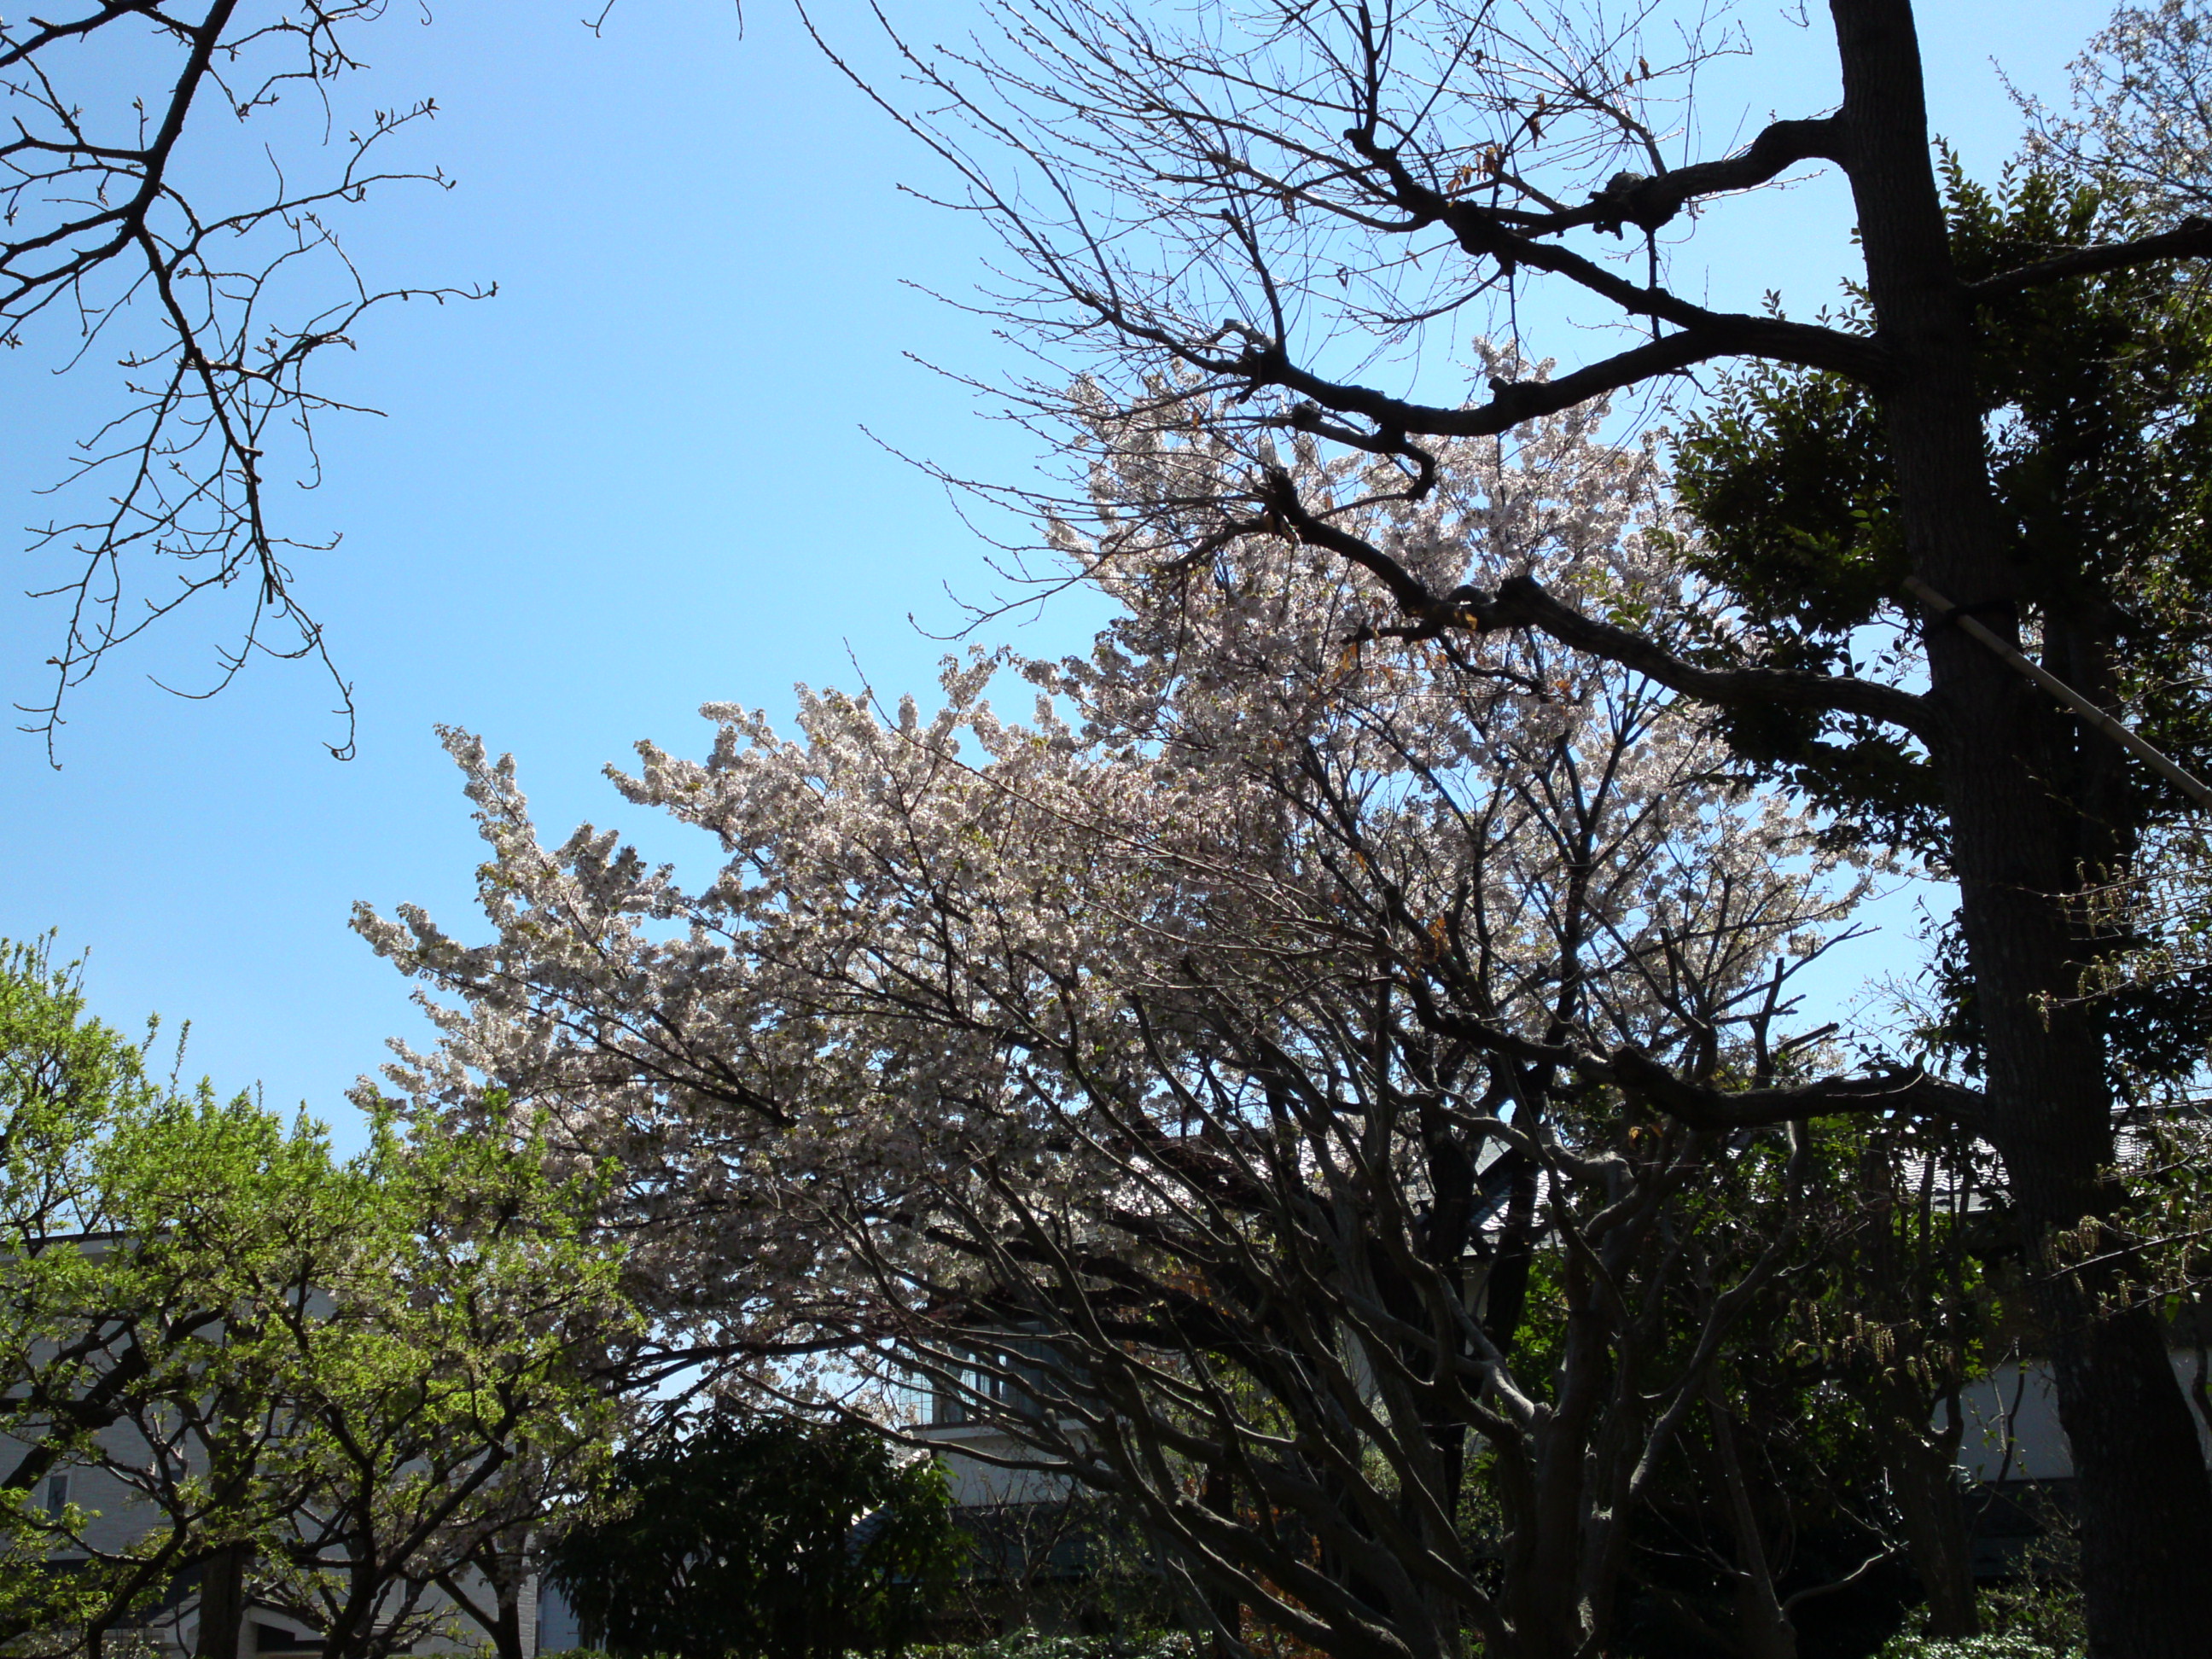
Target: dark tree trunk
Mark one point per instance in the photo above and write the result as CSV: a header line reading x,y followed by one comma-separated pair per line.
x,y
506,1571
1223,1608
506,1625
504,1566
2146,1504
1923,1471
222,1602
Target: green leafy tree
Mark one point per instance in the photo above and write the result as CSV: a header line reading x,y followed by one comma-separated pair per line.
x,y
1907,1318
2093,394
105,1362
762,1536
325,1383
1825,1451
449,1380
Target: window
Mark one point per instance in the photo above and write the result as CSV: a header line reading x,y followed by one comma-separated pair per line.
x,y
1019,1377
57,1495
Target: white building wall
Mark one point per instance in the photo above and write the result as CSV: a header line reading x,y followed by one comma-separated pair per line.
x,y
2019,1402
976,1484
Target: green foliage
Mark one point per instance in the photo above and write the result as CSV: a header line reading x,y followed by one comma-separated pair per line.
x,y
1018,1645
64,1078
1972,1647
2097,402
1021,1645
444,1381
1031,1645
766,1536
2030,1620
70,1086
2095,392
344,1366
1788,478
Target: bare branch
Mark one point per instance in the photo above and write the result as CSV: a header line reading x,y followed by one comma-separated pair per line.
x,y
1651,203
1716,336
1524,601
216,392
2189,240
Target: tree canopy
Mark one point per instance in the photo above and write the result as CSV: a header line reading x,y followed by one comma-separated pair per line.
x,y
1393,898
738,1536
1338,1096
320,1381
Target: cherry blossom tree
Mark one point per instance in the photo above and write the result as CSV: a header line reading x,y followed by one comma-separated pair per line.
x,y
1282,218
2142,108
1287,1084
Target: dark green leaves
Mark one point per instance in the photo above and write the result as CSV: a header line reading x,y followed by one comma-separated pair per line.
x,y
761,1538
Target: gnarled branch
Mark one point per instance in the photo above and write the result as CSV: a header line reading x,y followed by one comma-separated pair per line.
x,y
1913,1092
1523,602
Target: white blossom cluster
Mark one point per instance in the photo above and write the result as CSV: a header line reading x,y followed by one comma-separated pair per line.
x,y
2142,115
953,964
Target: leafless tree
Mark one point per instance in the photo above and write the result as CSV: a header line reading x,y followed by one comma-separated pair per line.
x,y
217,292
1272,218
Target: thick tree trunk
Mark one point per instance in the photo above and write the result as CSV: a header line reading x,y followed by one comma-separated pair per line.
x,y
222,1602
2146,1504
506,1627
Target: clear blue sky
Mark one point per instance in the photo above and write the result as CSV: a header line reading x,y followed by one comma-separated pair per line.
x,y
634,481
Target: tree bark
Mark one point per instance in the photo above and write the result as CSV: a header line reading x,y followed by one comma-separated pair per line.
x,y
504,1564
1224,1610
222,1602
1763,1628
507,1626
1925,1472
2145,1503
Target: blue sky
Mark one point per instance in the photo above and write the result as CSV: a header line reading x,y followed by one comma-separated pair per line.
x,y
635,481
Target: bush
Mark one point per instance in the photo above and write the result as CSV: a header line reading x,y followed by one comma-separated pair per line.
x,y
734,1536
1031,1645
2012,1644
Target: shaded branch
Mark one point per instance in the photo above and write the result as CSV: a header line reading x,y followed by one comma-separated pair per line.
x,y
1520,601
2190,239
1717,335
1506,237
1650,203
1912,1092
1523,602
